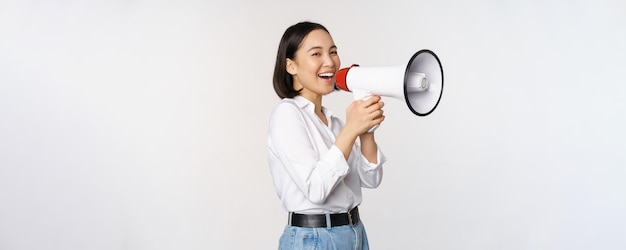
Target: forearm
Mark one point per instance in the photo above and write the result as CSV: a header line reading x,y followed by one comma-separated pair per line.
x,y
344,141
369,149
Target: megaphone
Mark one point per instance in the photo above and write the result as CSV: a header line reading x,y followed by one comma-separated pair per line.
x,y
419,82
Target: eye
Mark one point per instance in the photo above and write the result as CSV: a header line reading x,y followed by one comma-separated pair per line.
x,y
316,54
334,52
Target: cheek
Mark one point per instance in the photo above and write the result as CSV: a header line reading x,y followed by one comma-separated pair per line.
x,y
313,67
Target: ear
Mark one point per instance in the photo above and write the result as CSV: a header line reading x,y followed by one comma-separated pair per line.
x,y
291,67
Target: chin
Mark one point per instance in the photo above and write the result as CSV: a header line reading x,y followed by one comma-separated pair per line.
x,y
326,92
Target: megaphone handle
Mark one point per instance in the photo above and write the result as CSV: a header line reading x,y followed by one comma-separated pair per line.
x,y
364,95
361,94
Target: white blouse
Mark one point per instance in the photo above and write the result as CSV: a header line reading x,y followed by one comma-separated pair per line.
x,y
310,173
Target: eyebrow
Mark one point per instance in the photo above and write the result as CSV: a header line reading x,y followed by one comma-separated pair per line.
x,y
320,47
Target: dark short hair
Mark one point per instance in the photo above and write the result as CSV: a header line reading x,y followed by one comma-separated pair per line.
x,y
289,44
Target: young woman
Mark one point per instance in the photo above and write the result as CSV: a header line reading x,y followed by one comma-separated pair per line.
x,y
316,162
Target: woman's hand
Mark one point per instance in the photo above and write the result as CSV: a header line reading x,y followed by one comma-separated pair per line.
x,y
363,114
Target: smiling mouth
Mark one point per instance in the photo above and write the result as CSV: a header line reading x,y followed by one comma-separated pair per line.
x,y
326,75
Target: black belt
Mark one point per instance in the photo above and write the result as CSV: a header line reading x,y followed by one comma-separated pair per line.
x,y
319,220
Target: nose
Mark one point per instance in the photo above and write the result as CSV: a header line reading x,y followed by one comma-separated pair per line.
x,y
329,60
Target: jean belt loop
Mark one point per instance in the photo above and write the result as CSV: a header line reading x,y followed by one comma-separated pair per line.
x,y
350,217
328,221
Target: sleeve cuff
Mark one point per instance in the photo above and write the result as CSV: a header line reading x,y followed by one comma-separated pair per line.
x,y
339,163
368,166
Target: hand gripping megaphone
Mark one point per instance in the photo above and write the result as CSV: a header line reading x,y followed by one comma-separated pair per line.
x,y
419,82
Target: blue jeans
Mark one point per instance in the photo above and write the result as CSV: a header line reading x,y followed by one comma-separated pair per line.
x,y
335,238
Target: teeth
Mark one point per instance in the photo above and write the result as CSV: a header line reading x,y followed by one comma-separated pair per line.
x,y
326,74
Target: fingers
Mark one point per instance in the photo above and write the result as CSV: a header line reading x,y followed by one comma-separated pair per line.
x,y
373,104
373,108
371,101
378,116
365,113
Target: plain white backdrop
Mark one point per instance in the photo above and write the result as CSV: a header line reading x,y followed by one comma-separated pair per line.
x,y
142,124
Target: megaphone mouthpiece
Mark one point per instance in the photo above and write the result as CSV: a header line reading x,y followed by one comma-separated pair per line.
x,y
340,78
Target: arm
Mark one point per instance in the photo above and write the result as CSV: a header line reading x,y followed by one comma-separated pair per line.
x,y
293,151
369,149
368,113
371,162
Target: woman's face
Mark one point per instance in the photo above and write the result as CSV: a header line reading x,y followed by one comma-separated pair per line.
x,y
315,64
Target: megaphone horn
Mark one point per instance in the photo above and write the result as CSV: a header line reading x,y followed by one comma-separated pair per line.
x,y
419,82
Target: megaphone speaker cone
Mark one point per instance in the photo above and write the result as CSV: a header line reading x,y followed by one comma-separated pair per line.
x,y
423,82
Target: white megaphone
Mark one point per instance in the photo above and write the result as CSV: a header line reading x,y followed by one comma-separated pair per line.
x,y
419,82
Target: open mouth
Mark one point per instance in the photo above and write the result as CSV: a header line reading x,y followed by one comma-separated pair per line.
x,y
328,75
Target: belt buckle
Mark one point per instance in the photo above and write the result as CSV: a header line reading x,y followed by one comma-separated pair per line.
x,y
350,217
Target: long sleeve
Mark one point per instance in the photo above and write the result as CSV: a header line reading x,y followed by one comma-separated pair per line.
x,y
371,174
310,174
314,170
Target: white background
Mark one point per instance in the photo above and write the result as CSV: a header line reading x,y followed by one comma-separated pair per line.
x,y
142,124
